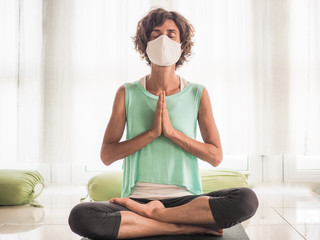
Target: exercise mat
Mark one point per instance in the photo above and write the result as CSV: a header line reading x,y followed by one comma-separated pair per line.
x,y
234,233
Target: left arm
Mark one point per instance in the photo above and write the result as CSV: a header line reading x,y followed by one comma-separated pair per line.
x,y
210,150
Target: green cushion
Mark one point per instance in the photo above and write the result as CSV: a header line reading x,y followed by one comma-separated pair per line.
x,y
105,186
213,180
19,187
108,185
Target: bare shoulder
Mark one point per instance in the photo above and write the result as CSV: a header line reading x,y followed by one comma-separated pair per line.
x,y
117,120
121,91
205,103
119,100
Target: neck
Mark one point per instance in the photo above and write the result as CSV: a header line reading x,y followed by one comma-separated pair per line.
x,y
163,79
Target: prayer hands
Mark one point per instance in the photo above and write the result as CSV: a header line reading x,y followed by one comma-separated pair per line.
x,y
157,122
161,121
167,128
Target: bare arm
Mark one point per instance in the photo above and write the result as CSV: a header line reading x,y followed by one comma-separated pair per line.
x,y
112,149
209,151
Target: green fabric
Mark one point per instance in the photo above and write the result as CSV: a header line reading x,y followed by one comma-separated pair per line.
x,y
213,180
107,185
19,187
161,161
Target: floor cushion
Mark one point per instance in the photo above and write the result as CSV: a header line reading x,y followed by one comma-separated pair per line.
x,y
107,185
213,180
19,187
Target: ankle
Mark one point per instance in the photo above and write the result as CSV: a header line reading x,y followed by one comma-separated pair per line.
x,y
150,212
180,229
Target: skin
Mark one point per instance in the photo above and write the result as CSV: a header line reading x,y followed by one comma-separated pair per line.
x,y
153,218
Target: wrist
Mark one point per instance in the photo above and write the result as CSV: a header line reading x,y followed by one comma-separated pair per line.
x,y
153,135
169,133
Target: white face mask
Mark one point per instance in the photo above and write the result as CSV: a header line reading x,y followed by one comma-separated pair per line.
x,y
163,51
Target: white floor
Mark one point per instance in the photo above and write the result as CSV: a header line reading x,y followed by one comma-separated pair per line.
x,y
285,212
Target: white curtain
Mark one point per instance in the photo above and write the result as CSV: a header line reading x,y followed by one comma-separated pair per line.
x,y
21,82
62,61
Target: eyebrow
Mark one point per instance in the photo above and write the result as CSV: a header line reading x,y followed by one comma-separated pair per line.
x,y
169,30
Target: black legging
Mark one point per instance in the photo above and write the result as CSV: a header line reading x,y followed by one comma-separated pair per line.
x,y
101,220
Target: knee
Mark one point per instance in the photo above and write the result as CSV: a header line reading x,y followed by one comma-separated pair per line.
x,y
248,202
76,219
95,220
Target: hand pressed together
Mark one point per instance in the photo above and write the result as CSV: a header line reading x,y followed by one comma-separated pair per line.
x,y
167,128
161,123
157,122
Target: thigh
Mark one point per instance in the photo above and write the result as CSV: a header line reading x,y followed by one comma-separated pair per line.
x,y
175,202
228,206
103,207
222,193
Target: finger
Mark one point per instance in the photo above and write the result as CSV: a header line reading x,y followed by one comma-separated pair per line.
x,y
160,106
159,103
160,98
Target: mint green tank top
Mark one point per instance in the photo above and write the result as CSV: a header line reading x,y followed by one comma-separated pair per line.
x,y
161,161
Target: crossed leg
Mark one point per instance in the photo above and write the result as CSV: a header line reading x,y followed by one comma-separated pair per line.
x,y
125,218
154,219
134,226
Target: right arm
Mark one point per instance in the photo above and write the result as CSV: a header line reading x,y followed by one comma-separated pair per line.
x,y
112,149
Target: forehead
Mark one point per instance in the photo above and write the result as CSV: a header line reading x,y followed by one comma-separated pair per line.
x,y
167,24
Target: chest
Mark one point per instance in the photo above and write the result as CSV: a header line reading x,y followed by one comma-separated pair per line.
x,y
182,113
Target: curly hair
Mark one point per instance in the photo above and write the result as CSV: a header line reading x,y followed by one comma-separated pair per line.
x,y
155,18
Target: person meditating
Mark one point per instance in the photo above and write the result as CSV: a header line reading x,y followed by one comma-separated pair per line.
x,y
161,192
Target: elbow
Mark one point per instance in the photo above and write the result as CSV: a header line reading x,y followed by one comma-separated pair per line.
x,y
217,162
216,158
105,159
106,156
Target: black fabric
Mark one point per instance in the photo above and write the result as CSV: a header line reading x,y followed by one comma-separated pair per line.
x,y
96,220
228,206
233,233
232,206
101,220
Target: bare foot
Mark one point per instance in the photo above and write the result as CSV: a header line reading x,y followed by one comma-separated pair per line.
x,y
194,229
144,210
218,232
213,229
